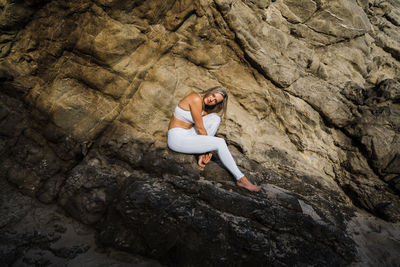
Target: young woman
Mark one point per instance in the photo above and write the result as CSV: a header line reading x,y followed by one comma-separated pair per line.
x,y
193,126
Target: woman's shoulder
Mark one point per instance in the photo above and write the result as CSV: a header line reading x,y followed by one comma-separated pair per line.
x,y
193,98
195,95
192,101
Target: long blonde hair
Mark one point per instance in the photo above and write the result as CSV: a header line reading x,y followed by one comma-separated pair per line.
x,y
222,106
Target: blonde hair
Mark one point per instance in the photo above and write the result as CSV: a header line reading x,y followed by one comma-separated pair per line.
x,y
222,106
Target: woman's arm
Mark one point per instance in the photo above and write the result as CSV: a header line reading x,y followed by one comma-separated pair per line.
x,y
196,107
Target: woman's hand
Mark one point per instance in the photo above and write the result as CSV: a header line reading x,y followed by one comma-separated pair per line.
x,y
204,159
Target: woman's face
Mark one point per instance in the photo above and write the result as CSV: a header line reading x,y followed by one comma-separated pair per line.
x,y
213,99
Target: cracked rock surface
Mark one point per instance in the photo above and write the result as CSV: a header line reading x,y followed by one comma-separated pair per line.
x,y
87,89
34,234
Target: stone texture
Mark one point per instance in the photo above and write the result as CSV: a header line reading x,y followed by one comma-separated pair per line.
x,y
34,234
88,87
196,232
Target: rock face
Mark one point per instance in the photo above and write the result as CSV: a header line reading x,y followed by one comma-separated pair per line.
x,y
88,87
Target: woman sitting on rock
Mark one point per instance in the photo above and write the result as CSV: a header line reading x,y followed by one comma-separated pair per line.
x,y
193,126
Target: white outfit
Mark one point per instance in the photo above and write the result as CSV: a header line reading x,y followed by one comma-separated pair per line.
x,y
190,142
184,115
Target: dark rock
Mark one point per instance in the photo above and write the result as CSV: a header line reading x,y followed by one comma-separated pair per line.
x,y
389,89
174,216
5,76
84,194
215,172
394,166
355,93
34,234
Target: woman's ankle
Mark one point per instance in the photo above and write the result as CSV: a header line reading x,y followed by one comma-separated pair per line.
x,y
245,183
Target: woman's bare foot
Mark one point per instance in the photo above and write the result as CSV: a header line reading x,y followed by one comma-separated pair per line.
x,y
245,183
204,159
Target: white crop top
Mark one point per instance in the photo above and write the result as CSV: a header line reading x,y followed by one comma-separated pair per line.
x,y
184,115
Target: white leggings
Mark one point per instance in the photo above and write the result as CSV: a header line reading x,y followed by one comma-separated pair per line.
x,y
190,142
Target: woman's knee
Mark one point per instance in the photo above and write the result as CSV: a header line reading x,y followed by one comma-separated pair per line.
x,y
215,118
220,142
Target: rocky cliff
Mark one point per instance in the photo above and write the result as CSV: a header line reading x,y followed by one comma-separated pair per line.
x,y
88,87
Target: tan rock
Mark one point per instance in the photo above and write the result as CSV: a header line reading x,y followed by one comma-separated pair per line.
x,y
313,103
341,18
297,12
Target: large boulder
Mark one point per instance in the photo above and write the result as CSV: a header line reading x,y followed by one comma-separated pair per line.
x,y
87,89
